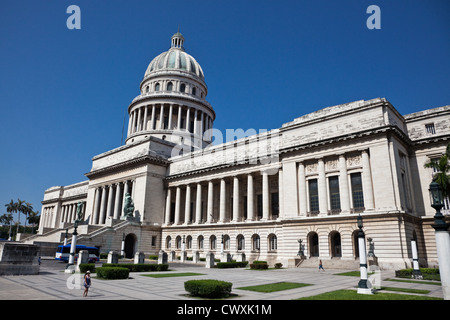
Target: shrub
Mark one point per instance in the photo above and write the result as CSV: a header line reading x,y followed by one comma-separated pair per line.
x,y
140,267
208,288
259,265
112,273
278,265
103,256
153,257
87,266
427,273
234,264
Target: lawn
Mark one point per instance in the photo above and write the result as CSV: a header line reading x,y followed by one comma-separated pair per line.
x,y
168,275
353,295
272,287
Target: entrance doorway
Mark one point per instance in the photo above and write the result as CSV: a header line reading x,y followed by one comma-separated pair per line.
x,y
130,245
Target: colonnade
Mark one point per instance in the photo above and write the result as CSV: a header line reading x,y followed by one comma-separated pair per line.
x,y
236,204
109,201
346,170
69,212
47,215
163,116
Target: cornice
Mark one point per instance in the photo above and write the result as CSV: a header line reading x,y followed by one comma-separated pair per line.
x,y
126,164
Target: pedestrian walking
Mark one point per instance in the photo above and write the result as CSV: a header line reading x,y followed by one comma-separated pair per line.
x,y
321,266
87,283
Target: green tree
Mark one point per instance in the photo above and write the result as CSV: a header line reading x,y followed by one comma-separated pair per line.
x,y
34,219
441,175
7,219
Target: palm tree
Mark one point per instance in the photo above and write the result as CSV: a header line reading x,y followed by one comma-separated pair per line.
x,y
21,208
28,209
34,218
441,171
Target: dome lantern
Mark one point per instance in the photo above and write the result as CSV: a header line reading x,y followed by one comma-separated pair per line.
x,y
177,41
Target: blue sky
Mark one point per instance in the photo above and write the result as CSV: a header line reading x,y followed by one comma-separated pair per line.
x,y
64,93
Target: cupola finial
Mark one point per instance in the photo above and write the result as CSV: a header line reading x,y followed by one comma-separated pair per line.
x,y
178,40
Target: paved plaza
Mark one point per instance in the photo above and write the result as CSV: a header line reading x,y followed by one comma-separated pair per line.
x,y
53,284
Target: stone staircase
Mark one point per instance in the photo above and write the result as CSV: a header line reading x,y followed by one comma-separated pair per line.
x,y
333,263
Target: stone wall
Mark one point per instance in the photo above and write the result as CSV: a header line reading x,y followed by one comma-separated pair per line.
x,y
18,259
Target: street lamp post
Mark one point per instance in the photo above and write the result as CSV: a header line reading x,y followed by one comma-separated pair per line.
x,y
73,246
442,238
363,288
122,249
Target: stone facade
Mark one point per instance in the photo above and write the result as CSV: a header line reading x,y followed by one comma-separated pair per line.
x,y
257,196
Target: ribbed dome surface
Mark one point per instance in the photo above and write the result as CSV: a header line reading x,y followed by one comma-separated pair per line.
x,y
175,59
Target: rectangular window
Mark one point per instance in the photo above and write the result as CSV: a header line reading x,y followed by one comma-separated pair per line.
x,y
275,205
335,199
430,128
259,208
313,196
153,241
357,191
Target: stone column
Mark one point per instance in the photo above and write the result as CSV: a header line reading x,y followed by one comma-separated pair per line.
x,y
250,196
161,117
187,206
223,200
169,125
152,118
179,117
235,199
198,204
103,206
95,216
144,125
195,122
117,204
187,119
129,123
344,190
168,205
177,205
209,210
322,186
265,195
280,193
367,181
302,196
138,127
109,211
201,129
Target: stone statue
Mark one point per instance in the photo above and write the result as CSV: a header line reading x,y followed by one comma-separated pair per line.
x,y
80,211
128,208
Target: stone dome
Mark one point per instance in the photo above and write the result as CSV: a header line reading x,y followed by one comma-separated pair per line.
x,y
175,59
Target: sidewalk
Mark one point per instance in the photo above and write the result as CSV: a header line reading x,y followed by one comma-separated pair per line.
x,y
53,284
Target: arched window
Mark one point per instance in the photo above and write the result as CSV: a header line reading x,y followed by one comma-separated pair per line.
x,y
256,242
313,244
169,86
200,242
168,242
157,87
178,242
226,242
272,242
240,242
147,89
335,244
188,242
212,243
183,87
